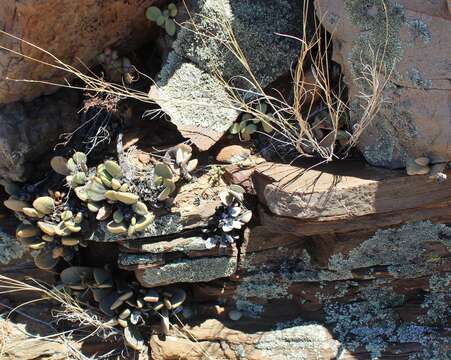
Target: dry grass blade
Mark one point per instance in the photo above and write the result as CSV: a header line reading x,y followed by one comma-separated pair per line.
x,y
70,310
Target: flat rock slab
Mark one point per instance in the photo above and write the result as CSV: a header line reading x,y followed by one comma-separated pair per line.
x,y
188,271
150,255
222,340
184,245
353,190
195,100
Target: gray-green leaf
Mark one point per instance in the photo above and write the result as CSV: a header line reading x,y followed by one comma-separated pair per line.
x,y
170,27
172,10
153,13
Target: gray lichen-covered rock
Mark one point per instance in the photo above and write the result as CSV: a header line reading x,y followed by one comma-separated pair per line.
x,y
188,271
259,27
10,248
195,100
192,87
30,129
403,250
403,42
183,245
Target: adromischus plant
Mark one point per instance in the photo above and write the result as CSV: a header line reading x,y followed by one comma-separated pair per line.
x,y
230,218
126,304
50,230
176,164
106,194
116,68
249,123
163,18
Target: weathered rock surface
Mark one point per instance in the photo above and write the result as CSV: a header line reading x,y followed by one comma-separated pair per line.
x,y
221,340
30,129
340,283
188,271
332,193
195,100
414,119
70,30
191,94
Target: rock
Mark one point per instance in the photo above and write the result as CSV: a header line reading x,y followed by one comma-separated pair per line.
x,y
223,341
18,343
30,129
373,283
352,190
184,245
195,100
192,92
11,248
187,271
247,19
414,119
97,25
233,154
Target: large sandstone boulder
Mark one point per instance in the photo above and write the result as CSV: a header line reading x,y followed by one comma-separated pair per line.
x,y
71,30
412,49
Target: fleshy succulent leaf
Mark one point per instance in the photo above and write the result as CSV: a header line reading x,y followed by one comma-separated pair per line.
x,y
170,27
153,13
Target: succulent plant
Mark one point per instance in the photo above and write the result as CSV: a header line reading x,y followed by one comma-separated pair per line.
x,y
419,166
48,229
164,18
229,219
75,169
115,67
249,123
106,194
126,304
177,164
165,178
179,159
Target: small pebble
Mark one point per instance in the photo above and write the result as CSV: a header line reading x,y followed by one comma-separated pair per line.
x,y
235,315
233,154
